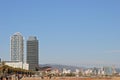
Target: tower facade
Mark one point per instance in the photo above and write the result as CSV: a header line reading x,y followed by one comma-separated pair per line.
x,y
16,47
32,52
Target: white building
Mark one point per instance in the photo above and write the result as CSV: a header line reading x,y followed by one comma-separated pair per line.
x,y
55,71
88,71
77,71
65,71
17,64
16,47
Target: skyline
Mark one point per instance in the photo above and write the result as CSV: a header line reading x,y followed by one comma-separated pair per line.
x,y
70,32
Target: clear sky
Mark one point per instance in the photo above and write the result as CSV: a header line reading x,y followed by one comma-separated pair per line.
x,y
69,31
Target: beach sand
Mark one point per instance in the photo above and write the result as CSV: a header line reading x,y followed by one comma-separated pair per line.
x,y
70,78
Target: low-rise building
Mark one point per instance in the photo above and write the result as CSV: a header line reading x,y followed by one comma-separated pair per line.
x,y
65,71
17,64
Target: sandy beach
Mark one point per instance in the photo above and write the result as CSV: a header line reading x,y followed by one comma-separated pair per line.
x,y
70,78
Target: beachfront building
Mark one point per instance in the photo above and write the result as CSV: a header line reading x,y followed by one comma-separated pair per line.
x,y
16,47
32,52
17,64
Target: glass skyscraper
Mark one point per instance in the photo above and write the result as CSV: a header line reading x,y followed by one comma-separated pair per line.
x,y
32,52
16,46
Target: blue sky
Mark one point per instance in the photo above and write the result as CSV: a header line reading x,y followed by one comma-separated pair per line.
x,y
69,31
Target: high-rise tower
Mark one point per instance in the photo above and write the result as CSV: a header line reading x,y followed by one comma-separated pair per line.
x,y
16,47
32,52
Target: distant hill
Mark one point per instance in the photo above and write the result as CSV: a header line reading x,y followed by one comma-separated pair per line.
x,y
60,67
72,68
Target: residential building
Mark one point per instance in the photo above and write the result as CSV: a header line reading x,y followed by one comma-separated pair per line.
x,y
108,70
66,71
